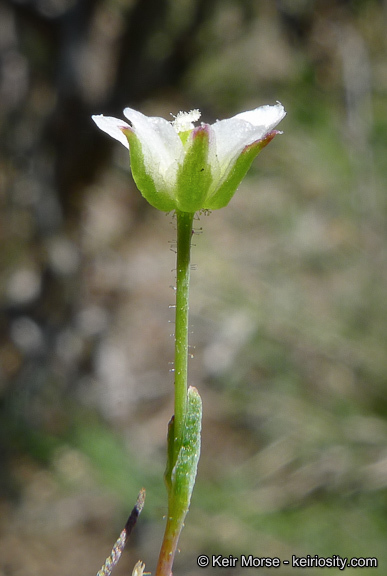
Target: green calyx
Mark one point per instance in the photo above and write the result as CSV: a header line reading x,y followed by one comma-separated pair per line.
x,y
193,188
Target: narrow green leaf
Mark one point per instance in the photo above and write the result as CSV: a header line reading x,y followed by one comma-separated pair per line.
x,y
170,451
184,472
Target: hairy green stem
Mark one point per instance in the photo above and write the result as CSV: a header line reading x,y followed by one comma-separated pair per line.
x,y
184,234
177,435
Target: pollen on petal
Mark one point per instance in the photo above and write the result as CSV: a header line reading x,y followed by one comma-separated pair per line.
x,y
184,120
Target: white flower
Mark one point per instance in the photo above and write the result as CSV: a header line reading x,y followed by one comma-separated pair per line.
x,y
178,166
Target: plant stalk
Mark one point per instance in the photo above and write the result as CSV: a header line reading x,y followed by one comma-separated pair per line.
x,y
183,259
169,546
177,511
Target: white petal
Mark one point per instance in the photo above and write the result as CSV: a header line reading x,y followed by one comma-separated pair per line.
x,y
113,127
161,145
232,135
264,117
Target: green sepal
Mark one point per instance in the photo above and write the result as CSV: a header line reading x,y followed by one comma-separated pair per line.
x,y
194,176
144,180
223,195
184,472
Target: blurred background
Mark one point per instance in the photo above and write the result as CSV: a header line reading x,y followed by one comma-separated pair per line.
x,y
288,306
